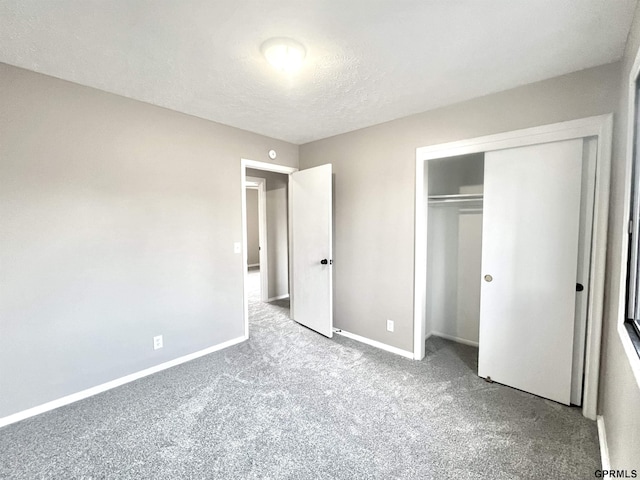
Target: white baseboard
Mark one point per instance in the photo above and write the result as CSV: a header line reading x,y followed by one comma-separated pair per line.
x,y
604,449
280,297
374,343
74,397
453,338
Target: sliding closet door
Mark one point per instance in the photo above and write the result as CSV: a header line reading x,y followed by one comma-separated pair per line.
x,y
529,264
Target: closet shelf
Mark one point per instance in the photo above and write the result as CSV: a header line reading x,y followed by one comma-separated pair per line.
x,y
455,198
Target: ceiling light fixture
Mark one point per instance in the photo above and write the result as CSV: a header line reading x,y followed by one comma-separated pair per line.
x,y
285,54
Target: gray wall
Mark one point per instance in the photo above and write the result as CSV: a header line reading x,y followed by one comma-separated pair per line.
x,y
118,223
253,229
619,390
277,185
374,189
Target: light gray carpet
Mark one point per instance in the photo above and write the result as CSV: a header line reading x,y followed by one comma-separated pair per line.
x,y
290,403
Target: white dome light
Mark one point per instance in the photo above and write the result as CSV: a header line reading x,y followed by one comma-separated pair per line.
x,y
284,54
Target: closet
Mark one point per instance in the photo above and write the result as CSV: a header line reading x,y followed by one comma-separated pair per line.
x,y
508,249
454,247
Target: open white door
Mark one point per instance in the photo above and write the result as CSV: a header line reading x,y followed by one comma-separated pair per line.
x,y
311,235
529,267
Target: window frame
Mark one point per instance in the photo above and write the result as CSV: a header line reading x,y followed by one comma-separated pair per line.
x,y
632,293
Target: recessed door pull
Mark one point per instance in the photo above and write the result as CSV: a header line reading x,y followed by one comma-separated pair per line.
x,y
579,287
488,278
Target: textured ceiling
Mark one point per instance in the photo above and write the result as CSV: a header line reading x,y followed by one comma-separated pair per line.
x,y
368,61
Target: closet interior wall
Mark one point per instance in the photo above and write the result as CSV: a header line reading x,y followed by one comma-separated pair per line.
x,y
454,247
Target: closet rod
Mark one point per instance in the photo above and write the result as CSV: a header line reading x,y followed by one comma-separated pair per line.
x,y
457,196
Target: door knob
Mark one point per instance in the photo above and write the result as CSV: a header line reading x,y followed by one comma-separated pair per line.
x,y
488,278
324,261
579,287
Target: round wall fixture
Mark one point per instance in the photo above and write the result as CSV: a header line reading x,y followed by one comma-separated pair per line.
x,y
272,154
285,54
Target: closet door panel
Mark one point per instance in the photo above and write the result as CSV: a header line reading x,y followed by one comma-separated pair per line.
x,y
530,251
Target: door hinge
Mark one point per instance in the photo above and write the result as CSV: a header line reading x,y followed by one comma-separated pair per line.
x,y
630,226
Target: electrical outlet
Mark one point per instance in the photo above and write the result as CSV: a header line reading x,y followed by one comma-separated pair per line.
x,y
390,326
157,342
237,247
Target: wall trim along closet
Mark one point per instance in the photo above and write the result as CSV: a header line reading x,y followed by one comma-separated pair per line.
x,y
595,131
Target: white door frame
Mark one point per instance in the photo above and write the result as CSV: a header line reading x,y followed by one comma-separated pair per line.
x,y
268,167
599,126
260,186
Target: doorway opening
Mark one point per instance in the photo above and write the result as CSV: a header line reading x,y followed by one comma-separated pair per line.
x,y
256,227
266,239
299,264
